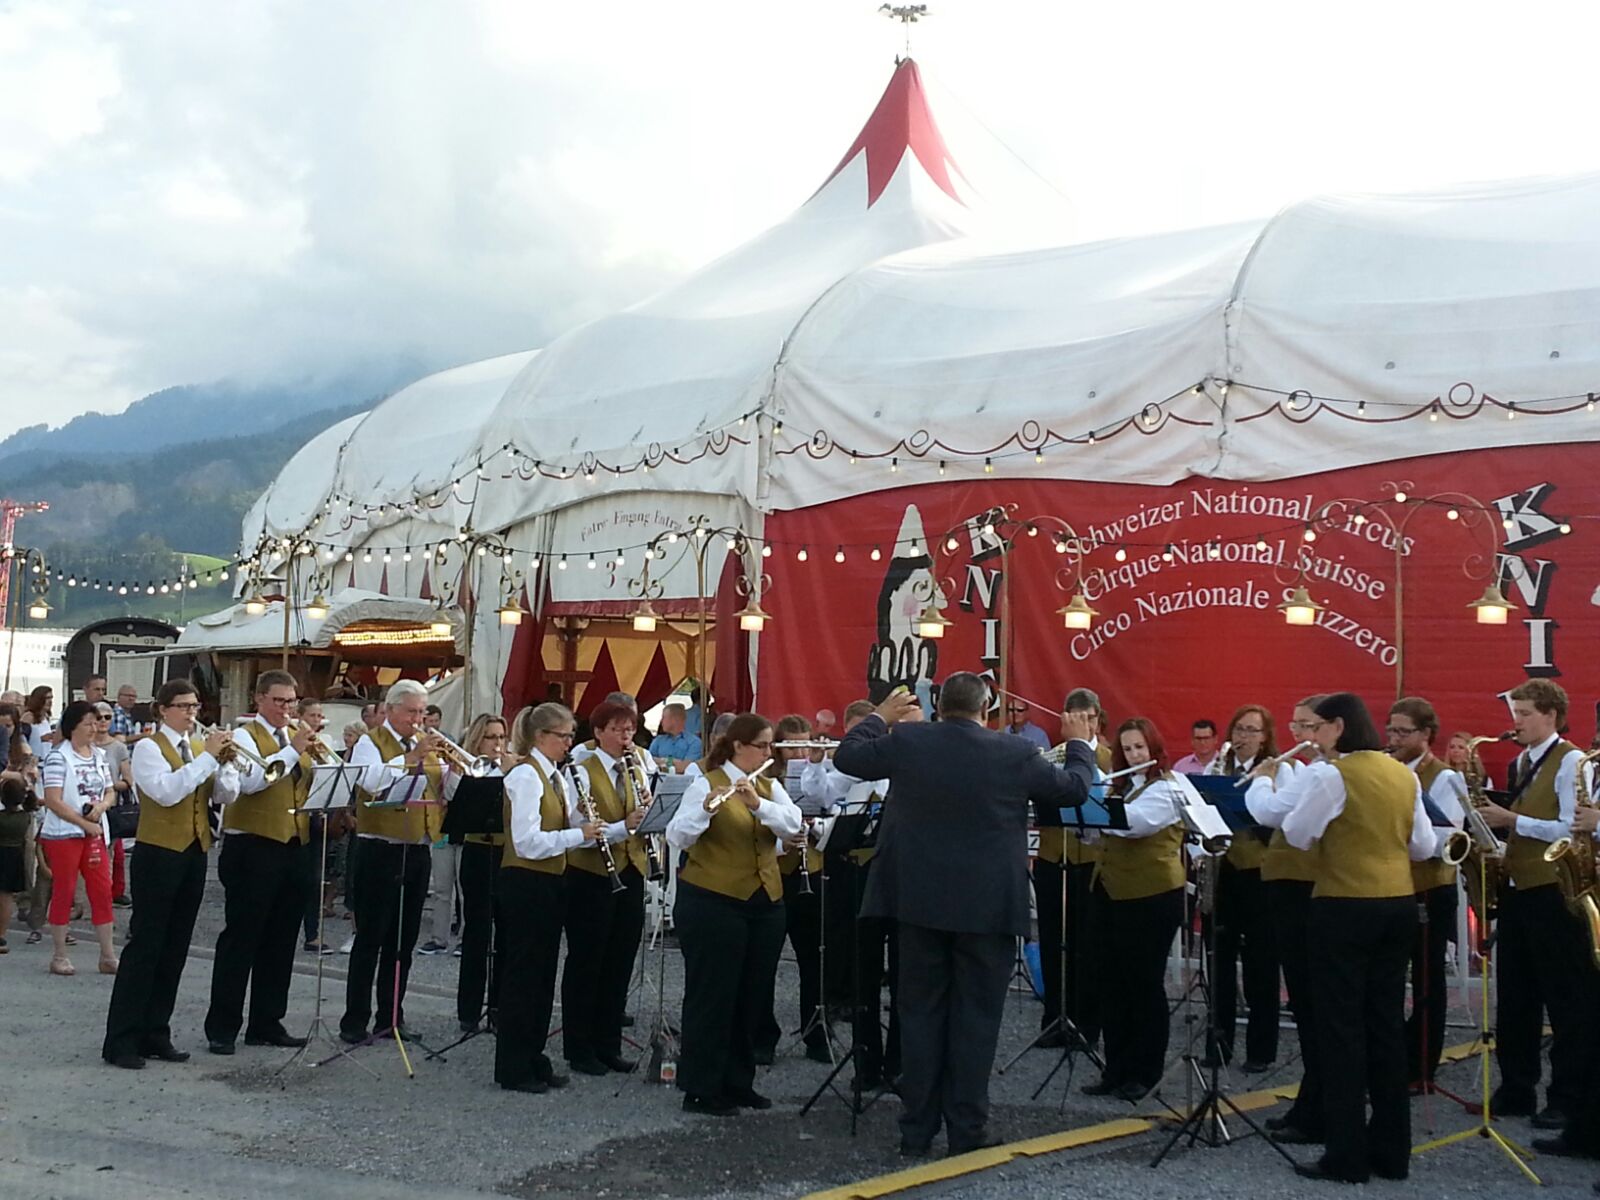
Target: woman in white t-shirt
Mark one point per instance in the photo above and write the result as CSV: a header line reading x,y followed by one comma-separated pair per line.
x,y
77,793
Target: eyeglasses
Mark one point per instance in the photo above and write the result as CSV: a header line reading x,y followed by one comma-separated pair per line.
x,y
277,699
1256,729
766,745
1400,730
564,735
191,707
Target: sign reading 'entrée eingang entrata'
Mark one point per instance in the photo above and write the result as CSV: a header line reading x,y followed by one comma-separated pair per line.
x,y
1187,580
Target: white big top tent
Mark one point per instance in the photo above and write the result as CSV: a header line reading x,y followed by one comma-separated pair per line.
x,y
897,318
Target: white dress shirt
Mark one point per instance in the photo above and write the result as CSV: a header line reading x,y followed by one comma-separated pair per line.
x,y
377,776
157,780
1156,807
1448,793
1566,795
528,836
251,778
1322,799
582,754
1269,800
779,814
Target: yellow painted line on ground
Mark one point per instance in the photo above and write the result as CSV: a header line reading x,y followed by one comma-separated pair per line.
x,y
1067,1139
983,1160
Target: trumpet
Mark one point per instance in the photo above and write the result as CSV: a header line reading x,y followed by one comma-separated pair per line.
x,y
463,762
718,799
272,769
319,750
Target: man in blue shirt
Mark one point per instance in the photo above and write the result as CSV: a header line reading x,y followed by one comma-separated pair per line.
x,y
673,748
1017,722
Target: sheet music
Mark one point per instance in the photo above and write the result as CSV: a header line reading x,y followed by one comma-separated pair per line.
x,y
332,786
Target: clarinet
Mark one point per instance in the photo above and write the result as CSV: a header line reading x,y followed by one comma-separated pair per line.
x,y
587,809
655,869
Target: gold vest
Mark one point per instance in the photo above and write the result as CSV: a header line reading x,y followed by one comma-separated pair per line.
x,y
414,822
1064,845
267,813
1283,861
177,826
610,808
1133,868
1363,851
552,817
736,856
1525,855
1425,876
1246,851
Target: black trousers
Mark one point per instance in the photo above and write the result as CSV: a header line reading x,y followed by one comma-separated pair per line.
x,y
311,869
391,886
1543,968
1430,993
603,931
478,873
1289,901
1244,935
730,953
263,884
1067,953
878,962
844,883
1359,973
952,994
802,921
167,888
1136,937
534,904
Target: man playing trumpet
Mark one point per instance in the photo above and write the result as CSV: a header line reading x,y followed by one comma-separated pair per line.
x,y
262,873
392,862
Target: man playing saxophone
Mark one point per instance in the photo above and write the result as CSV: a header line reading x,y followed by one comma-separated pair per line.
x,y
1544,953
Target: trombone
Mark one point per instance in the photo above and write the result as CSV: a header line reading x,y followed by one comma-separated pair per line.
x,y
463,762
271,769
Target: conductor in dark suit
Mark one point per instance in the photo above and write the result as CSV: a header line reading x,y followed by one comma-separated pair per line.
x,y
952,871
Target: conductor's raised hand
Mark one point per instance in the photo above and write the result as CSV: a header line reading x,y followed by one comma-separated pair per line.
x,y
898,706
1078,723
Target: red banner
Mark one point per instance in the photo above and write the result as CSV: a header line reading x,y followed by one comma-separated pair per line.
x,y
1187,580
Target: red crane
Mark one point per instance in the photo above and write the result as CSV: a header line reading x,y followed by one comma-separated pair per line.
x,y
10,510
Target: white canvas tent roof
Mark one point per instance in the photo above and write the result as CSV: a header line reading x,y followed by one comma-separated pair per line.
x,y
888,319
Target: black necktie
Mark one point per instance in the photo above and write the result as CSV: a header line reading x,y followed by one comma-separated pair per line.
x,y
184,750
283,744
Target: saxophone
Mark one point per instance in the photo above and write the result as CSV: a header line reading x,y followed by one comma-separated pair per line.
x,y
1576,871
1475,849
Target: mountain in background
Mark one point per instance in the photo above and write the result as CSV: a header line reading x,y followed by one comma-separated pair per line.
x,y
131,494
194,412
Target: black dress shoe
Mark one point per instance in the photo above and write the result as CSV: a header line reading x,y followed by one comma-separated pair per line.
x,y
1293,1135
469,1027
1252,1067
1053,1040
749,1098
587,1066
1315,1170
555,1079
709,1106
1559,1146
1100,1087
127,1060
1551,1118
1502,1105
1273,1124
1395,1173
764,1055
1132,1092
277,1037
166,1052
627,1021
388,1031
985,1141
615,1062
925,1150
818,1052
352,1039
219,1047
533,1087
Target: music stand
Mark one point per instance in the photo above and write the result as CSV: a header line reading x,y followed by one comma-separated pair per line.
x,y
855,828
333,787
478,807
1224,800
663,1038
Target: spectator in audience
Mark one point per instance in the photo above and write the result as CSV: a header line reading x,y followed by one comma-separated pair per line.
x,y
432,717
94,689
369,717
36,716
673,748
825,724
123,725
11,696
119,762
352,734
1203,738
11,741
37,898
77,793
14,822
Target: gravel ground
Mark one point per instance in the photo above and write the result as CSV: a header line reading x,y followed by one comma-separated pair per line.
x,y
69,1127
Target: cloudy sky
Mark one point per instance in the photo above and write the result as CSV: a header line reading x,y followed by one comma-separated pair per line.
x,y
192,190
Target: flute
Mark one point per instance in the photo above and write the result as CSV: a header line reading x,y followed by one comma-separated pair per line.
x,y
1273,763
716,801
